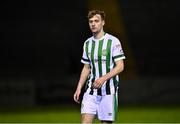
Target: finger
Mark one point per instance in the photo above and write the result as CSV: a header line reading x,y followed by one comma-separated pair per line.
x,y
76,98
95,86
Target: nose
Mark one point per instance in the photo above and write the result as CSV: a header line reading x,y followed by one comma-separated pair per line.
x,y
93,23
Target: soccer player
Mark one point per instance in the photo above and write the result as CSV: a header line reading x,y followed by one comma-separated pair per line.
x,y
103,61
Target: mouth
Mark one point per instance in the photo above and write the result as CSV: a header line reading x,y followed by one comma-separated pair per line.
x,y
93,28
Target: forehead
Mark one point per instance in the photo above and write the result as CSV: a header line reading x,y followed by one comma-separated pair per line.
x,y
95,17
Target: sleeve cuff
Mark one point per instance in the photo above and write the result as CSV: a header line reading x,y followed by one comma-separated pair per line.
x,y
119,57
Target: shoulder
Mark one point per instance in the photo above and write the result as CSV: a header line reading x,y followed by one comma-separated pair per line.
x,y
88,40
114,39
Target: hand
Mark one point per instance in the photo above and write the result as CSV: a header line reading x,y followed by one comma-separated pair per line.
x,y
98,83
76,96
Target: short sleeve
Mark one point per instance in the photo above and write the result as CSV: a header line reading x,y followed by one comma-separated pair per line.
x,y
117,50
85,58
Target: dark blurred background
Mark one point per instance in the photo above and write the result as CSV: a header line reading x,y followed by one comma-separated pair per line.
x,y
41,47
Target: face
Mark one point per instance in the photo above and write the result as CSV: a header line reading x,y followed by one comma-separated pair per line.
x,y
96,23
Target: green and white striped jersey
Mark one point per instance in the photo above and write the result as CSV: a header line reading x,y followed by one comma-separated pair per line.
x,y
101,55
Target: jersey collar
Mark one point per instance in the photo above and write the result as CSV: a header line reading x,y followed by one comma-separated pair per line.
x,y
99,38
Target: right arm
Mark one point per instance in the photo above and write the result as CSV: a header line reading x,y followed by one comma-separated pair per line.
x,y
83,77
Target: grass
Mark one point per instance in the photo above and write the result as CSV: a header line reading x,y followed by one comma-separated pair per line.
x,y
69,114
149,115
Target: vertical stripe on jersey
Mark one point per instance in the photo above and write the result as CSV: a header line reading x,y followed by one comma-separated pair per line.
x,y
108,55
115,112
93,65
87,44
115,81
100,63
86,49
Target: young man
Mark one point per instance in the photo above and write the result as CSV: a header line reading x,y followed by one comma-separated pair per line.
x,y
103,61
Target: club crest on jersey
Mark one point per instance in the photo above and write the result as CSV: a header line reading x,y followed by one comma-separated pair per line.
x,y
104,52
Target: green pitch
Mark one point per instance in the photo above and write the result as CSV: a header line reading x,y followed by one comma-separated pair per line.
x,y
69,114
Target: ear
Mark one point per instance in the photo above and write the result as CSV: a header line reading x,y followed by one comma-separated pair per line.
x,y
103,22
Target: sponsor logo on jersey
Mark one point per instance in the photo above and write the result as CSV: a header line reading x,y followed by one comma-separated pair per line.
x,y
104,52
117,47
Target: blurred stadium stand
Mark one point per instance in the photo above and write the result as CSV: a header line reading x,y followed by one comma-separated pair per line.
x,y
41,47
153,35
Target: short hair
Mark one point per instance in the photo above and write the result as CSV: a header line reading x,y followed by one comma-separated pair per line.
x,y
94,12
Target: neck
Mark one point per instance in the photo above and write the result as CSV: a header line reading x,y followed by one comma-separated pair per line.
x,y
99,34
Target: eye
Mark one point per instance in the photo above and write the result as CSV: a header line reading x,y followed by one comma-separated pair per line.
x,y
96,21
90,21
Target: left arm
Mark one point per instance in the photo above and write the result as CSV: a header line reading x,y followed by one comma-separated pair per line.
x,y
115,71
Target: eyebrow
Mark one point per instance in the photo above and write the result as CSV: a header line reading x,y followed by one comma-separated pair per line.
x,y
94,19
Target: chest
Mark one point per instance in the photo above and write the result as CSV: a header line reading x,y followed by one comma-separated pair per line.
x,y
99,51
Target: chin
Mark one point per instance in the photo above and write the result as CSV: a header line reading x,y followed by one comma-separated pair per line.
x,y
94,31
